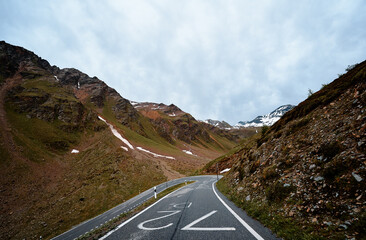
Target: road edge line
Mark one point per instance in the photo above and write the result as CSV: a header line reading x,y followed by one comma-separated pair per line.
x,y
132,218
246,225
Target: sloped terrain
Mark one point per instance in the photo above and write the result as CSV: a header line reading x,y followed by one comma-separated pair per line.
x,y
175,125
71,147
305,176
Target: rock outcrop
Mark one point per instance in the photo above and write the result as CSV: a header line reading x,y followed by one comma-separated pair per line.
x,y
310,167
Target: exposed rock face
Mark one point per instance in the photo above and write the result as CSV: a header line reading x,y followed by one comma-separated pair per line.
x,y
12,58
98,92
37,93
311,165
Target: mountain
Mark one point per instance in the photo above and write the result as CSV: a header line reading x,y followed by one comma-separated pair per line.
x,y
219,124
266,120
69,141
305,176
174,125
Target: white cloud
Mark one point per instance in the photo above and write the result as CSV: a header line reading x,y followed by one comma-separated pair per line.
x,y
229,60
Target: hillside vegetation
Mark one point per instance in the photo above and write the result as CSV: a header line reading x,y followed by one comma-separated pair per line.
x,y
304,177
60,164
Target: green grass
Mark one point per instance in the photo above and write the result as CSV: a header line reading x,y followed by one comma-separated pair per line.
x,y
102,175
39,138
152,139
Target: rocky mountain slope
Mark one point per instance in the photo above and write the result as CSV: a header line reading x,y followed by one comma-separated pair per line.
x,y
174,124
219,124
305,176
71,147
268,119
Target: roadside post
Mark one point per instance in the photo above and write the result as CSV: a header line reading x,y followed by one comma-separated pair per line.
x,y
155,192
217,171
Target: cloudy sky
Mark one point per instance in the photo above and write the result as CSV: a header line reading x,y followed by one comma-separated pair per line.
x,y
228,60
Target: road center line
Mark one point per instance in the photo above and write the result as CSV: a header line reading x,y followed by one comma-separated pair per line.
x,y
249,228
132,218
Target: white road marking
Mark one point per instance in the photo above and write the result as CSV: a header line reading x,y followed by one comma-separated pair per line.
x,y
179,205
190,228
141,225
249,228
132,218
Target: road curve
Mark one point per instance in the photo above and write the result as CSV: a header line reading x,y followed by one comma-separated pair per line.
x,y
127,206
196,211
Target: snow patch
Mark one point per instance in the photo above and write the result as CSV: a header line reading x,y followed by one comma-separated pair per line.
x,y
154,154
116,133
188,152
100,118
133,103
75,151
124,148
56,78
225,170
172,115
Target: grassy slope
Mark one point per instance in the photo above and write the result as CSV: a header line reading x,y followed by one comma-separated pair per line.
x,y
88,183
52,189
154,142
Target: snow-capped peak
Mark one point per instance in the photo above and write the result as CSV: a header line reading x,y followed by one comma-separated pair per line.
x,y
268,119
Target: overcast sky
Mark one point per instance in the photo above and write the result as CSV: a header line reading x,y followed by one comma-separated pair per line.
x,y
227,60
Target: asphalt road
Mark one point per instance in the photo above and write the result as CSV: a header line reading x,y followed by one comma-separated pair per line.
x,y
196,211
127,206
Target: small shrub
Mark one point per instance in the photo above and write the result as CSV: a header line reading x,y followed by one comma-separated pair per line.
x,y
359,225
330,150
241,173
350,67
270,172
310,92
264,130
298,125
254,166
277,192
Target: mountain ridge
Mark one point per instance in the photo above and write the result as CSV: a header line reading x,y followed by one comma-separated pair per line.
x,y
69,141
268,119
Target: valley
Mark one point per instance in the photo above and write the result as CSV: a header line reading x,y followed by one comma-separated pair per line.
x,y
69,141
72,148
